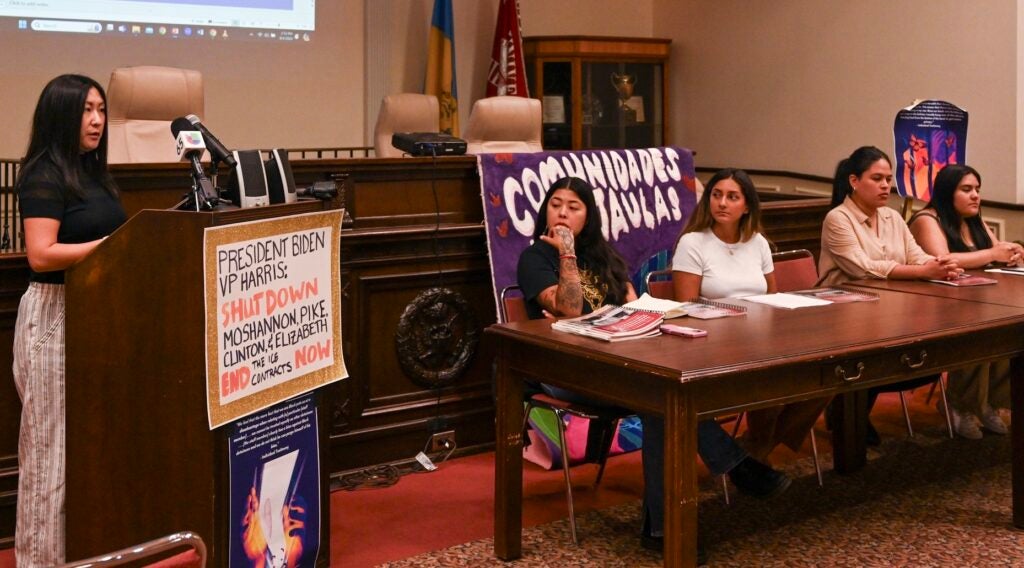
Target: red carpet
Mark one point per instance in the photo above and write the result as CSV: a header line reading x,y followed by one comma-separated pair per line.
x,y
454,505
430,511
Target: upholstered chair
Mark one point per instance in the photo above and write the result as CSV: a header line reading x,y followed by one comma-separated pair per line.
x,y
141,103
504,124
403,112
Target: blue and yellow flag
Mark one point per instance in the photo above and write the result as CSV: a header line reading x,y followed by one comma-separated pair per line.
x,y
441,66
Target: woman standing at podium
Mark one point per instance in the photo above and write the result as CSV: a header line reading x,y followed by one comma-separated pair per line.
x,y
69,203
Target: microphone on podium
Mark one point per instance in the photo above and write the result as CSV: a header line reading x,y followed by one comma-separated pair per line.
x,y
189,146
218,152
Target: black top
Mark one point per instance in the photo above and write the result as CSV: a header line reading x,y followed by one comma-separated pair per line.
x,y
43,194
538,271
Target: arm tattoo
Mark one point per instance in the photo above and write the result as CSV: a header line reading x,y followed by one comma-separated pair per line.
x,y
568,242
569,296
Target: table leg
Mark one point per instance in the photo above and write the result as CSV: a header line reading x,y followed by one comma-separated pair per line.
x,y
849,452
680,480
1017,431
508,461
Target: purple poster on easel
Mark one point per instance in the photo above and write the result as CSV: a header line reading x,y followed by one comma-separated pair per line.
x,y
274,462
927,136
644,195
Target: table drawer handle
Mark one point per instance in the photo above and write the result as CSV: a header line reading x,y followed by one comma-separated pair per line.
x,y
841,373
905,359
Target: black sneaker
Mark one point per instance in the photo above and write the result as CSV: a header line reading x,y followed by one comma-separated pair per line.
x,y
758,480
657,544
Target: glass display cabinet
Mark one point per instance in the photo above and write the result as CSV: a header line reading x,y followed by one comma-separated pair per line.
x,y
599,92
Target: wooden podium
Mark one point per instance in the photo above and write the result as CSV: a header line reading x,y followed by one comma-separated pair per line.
x,y
142,461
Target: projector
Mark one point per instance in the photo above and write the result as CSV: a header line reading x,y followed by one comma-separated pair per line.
x,y
428,144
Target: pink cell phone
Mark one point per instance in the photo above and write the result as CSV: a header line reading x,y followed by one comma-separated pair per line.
x,y
683,331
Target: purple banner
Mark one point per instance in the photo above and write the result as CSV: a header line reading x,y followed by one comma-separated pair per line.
x,y
644,197
256,4
928,136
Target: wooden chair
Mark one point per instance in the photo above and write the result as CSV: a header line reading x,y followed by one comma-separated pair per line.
x,y
511,308
794,270
153,554
659,285
797,270
907,210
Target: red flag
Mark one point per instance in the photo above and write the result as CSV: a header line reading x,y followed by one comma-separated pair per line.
x,y
507,75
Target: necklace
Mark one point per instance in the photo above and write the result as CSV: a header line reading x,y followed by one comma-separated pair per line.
x,y
729,247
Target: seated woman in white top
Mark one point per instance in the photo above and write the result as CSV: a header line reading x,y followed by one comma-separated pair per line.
x,y
951,225
722,254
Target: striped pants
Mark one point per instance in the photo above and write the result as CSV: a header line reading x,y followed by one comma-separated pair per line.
x,y
39,377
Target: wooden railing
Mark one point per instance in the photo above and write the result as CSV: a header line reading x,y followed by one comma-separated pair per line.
x,y
330,153
10,223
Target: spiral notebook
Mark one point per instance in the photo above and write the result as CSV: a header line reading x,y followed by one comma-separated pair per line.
x,y
702,308
613,323
966,280
838,295
667,308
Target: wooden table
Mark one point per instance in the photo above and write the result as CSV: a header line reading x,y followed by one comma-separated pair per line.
x,y
1007,291
768,357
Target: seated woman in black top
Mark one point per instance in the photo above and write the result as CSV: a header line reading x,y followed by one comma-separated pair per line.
x,y
69,204
951,225
570,270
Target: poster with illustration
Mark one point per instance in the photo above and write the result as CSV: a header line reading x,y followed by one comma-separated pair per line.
x,y
275,487
928,136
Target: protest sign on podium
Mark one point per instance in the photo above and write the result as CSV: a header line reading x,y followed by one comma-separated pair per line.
x,y
162,318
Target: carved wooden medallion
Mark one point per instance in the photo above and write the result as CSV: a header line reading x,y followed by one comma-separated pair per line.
x,y
436,337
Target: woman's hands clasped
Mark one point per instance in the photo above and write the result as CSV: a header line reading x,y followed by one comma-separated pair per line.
x,y
943,267
1008,253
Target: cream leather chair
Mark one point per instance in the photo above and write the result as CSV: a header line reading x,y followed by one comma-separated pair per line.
x,y
141,103
504,124
404,112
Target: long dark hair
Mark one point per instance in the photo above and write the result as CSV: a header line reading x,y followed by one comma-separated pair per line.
x,y
57,136
750,223
858,162
592,249
946,182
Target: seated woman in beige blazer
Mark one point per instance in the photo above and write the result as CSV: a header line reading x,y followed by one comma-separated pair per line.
x,y
864,238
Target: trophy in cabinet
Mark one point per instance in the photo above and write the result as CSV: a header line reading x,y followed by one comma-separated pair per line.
x,y
624,84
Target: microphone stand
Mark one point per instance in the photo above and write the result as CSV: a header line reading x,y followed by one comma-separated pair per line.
x,y
213,177
204,196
